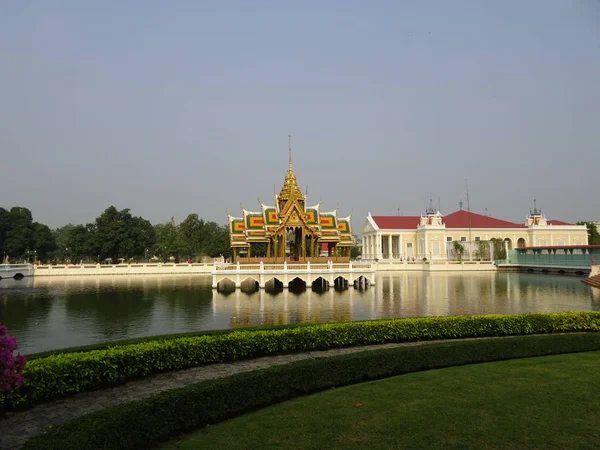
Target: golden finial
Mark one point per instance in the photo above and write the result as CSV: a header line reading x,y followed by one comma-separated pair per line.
x,y
290,187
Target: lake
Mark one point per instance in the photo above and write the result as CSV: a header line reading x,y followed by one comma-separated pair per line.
x,y
55,312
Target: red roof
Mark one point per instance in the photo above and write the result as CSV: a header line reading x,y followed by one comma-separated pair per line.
x,y
465,219
397,222
558,222
458,219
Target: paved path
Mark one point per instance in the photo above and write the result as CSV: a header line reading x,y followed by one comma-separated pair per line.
x,y
17,427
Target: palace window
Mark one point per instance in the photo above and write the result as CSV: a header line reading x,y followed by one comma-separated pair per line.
x,y
477,238
448,238
463,239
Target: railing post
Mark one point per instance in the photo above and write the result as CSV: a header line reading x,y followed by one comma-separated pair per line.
x,y
238,281
286,282
261,276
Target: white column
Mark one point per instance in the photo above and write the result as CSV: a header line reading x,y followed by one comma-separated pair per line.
x,y
379,246
373,246
364,246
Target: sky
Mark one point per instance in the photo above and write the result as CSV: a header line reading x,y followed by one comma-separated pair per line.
x,y
177,107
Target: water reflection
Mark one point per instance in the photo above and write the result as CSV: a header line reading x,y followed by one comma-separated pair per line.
x,y
55,312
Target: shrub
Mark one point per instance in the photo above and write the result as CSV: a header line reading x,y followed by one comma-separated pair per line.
x,y
69,373
11,366
142,423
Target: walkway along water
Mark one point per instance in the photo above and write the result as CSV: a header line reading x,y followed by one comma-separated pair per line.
x,y
17,427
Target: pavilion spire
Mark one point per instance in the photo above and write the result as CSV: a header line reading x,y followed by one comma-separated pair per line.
x,y
290,186
290,149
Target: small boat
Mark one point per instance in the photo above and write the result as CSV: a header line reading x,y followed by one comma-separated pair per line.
x,y
16,271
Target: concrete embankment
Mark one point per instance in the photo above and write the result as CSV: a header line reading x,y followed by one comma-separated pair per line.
x,y
436,266
206,268
122,269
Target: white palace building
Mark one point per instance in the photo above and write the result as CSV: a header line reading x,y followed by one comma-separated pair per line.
x,y
432,235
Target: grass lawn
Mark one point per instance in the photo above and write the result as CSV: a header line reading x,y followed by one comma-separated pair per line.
x,y
545,402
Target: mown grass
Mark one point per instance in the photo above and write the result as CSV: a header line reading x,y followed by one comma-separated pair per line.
x,y
544,402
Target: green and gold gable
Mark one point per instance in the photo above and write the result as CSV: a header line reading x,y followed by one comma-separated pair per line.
x,y
290,213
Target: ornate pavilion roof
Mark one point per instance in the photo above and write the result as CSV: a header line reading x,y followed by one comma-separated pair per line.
x,y
290,187
261,226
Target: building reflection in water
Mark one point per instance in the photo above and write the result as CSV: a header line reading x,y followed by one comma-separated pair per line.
x,y
286,307
57,312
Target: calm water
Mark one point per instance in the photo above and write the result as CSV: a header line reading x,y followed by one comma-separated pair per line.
x,y
55,312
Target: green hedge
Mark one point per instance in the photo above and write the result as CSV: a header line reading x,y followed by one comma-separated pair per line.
x,y
160,337
69,373
142,423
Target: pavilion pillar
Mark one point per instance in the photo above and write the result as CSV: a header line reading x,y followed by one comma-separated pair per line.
x,y
390,255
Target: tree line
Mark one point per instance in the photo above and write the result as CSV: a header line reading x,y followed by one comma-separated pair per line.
x,y
114,236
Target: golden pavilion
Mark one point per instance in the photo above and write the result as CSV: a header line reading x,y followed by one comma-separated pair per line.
x,y
291,230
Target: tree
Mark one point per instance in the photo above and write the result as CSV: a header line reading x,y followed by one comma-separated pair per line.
x,y
62,238
483,250
4,227
139,237
19,235
593,235
459,250
355,252
499,250
120,235
191,235
259,249
168,241
43,241
216,240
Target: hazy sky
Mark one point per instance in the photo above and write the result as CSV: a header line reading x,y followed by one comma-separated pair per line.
x,y
175,107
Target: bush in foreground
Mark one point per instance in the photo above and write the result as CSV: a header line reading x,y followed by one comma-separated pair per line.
x,y
142,423
11,366
69,373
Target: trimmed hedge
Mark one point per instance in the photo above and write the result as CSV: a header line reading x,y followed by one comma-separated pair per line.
x,y
160,337
69,373
142,423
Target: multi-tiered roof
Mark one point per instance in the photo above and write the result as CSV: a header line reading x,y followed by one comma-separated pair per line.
x,y
290,210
